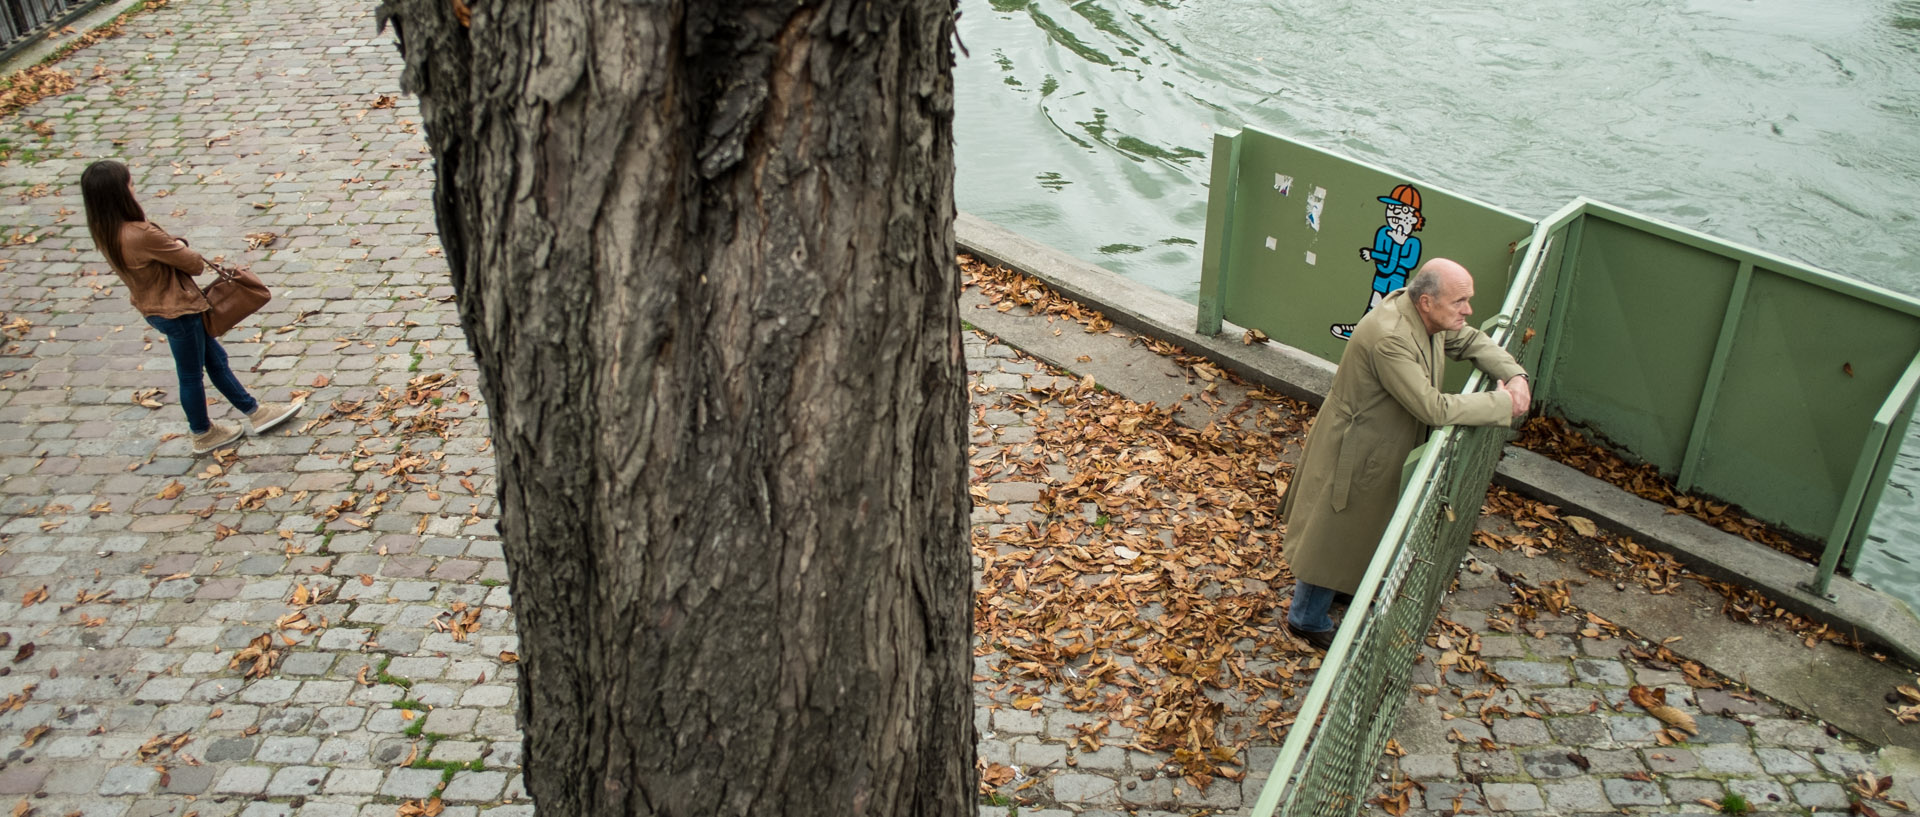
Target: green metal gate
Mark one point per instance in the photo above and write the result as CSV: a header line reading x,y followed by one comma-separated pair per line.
x,y
1741,375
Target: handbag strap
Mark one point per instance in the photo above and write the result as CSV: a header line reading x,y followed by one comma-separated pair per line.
x,y
218,270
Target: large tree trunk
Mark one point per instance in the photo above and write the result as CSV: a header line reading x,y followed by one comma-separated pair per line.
x,y
704,256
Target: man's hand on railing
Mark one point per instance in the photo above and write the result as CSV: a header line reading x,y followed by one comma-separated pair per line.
x,y
1517,389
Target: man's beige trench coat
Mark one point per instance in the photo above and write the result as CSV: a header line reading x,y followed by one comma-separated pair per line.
x,y
1385,398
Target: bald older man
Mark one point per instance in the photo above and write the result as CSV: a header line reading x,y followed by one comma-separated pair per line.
x,y
1385,399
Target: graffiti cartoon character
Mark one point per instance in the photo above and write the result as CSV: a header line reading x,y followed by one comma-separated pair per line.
x,y
1395,252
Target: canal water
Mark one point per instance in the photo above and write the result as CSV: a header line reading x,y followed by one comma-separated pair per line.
x,y
1787,126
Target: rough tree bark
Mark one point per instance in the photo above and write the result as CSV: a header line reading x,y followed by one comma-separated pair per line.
x,y
704,256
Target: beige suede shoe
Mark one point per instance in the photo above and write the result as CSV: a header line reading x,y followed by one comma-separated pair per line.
x,y
267,415
216,437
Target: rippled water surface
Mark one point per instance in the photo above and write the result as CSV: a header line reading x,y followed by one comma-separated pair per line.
x,y
1787,126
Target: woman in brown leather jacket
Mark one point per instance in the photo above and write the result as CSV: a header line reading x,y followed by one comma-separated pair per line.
x,y
158,271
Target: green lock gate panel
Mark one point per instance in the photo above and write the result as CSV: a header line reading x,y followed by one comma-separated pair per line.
x,y
1287,225
1741,375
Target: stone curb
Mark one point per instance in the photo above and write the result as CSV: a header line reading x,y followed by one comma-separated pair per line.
x,y
1146,310
1868,615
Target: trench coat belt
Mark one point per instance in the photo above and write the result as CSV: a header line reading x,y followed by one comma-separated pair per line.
x,y
1343,473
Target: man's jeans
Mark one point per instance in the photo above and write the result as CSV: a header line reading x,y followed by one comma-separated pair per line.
x,y
194,353
1311,603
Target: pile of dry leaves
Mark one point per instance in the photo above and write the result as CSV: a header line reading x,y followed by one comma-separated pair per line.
x,y
1008,289
1552,437
1145,596
1619,559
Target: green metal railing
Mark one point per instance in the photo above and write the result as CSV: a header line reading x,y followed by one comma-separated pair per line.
x,y
1326,764
22,22
1882,446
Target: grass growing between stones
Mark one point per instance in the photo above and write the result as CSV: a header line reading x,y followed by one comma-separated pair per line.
x,y
380,675
448,767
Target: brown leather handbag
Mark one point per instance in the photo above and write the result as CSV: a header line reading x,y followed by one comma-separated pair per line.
x,y
231,297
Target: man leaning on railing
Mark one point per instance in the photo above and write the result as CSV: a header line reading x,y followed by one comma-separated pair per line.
x,y
1385,399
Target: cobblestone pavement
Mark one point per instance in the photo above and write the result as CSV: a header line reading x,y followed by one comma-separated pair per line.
x,y
318,623
1563,737
356,543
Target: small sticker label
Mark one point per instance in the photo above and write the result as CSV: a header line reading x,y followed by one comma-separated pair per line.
x,y
1272,244
1283,184
1316,201
1310,258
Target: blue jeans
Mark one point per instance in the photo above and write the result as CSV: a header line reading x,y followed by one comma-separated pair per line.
x,y
196,353
1311,602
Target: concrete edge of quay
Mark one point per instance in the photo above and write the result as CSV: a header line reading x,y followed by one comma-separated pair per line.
x,y
1868,615
1872,616
1146,310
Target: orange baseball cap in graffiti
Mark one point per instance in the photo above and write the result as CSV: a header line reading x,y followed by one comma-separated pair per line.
x,y
1404,194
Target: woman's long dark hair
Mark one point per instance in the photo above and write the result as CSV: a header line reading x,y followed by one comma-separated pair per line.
x,y
110,204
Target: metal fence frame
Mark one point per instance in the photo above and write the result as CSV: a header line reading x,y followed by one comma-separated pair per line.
x,y
23,21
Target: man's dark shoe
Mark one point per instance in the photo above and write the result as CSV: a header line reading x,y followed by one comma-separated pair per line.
x,y
1320,640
